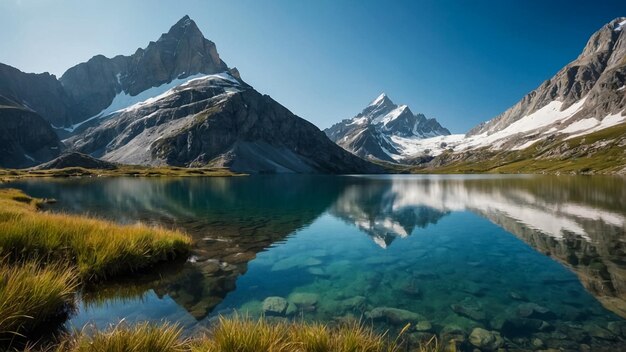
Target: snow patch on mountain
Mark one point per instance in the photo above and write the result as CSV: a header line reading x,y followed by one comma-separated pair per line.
x,y
124,101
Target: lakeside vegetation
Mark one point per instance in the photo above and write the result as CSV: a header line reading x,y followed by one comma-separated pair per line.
x,y
32,295
46,257
98,249
7,175
242,334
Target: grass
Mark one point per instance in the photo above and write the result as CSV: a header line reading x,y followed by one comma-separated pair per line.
x,y
240,334
123,338
46,256
31,295
98,249
7,175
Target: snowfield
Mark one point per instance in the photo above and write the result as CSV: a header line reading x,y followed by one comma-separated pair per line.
x,y
543,122
125,102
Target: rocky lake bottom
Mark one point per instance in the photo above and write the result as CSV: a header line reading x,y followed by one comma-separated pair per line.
x,y
488,262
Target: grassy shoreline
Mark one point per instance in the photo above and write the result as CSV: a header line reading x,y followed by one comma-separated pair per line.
x,y
242,334
7,175
45,258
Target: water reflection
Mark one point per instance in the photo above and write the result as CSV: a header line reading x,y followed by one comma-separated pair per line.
x,y
284,235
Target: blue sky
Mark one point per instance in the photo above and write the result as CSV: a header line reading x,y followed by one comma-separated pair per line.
x,y
461,62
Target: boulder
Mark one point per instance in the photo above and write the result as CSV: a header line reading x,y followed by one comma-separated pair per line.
x,y
486,340
275,306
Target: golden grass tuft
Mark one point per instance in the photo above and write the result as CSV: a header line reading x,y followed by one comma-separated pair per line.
x,y
240,334
123,338
31,295
99,249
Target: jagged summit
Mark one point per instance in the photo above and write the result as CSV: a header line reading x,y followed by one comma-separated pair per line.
x,y
184,27
381,130
181,52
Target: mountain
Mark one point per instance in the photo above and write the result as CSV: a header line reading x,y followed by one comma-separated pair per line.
x,y
41,93
384,131
177,103
586,95
216,120
101,84
26,138
573,122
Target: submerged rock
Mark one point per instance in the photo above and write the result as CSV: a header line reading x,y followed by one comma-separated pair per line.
x,y
535,311
486,340
394,316
304,299
453,338
473,313
291,309
599,332
275,306
517,296
423,325
524,326
356,303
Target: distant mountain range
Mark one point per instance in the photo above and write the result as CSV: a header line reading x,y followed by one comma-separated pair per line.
x,y
176,102
384,131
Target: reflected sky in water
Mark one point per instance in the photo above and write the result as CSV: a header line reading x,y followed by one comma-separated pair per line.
x,y
460,251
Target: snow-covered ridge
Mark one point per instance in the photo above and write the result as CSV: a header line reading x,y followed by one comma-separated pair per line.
x,y
542,123
125,102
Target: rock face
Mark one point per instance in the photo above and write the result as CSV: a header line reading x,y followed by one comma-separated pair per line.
x,y
74,159
181,52
383,130
26,139
594,85
217,120
41,93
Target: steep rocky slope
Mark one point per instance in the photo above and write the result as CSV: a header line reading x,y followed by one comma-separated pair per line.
x,y
41,93
26,139
216,120
181,52
589,88
384,131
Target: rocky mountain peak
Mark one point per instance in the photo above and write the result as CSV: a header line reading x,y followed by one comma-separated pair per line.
x,y
592,80
181,52
383,130
185,27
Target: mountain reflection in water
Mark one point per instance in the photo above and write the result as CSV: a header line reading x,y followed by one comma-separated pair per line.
x,y
578,221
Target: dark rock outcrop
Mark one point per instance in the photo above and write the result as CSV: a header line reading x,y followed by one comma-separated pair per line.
x,y
74,159
26,139
41,93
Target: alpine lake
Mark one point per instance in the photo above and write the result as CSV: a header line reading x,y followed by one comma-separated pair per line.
x,y
537,261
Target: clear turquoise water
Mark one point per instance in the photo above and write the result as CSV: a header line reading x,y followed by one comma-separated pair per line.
x,y
461,251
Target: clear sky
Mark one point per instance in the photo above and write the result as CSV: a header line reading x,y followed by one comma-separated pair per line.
x,y
461,62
